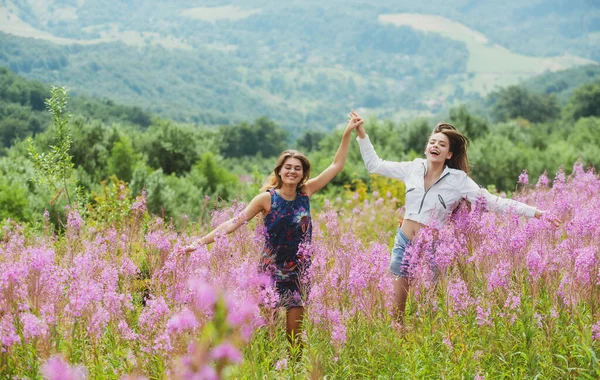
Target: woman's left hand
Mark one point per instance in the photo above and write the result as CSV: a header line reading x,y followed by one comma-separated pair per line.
x,y
554,220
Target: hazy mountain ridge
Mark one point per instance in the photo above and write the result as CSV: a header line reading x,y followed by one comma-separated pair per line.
x,y
301,63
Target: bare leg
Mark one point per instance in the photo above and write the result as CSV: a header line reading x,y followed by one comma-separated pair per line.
x,y
400,296
293,325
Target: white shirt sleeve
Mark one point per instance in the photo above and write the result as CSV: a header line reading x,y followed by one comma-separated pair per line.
x,y
376,165
471,191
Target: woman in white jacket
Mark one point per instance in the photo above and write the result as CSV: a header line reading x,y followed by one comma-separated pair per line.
x,y
434,187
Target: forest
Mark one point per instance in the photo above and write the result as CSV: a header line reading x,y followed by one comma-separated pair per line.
x,y
190,168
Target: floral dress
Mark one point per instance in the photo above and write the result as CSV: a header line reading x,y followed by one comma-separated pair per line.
x,y
287,226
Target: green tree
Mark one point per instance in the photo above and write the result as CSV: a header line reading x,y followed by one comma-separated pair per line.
x,y
584,102
13,201
91,146
217,177
310,140
262,137
171,147
122,159
472,126
517,102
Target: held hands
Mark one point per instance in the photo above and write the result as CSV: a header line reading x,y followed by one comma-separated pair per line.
x,y
360,130
552,219
354,121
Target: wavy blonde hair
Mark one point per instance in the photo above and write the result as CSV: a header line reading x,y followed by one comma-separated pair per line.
x,y
275,181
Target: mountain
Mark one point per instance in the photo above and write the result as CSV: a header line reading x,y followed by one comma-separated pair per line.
x,y
302,63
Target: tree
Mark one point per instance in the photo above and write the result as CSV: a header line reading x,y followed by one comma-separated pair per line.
x,y
472,126
310,140
262,137
584,102
171,147
218,179
517,102
122,159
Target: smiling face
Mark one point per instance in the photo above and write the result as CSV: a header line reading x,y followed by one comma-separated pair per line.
x,y
291,172
438,148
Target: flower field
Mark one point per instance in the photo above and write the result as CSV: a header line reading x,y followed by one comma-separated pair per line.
x,y
492,296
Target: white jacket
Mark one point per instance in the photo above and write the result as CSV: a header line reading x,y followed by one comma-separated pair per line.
x,y
443,196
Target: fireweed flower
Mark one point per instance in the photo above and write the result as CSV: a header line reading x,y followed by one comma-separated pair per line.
x,y
8,332
152,325
585,261
281,364
523,178
499,277
338,334
58,369
536,264
458,297
228,352
203,294
483,316
125,331
448,343
182,321
596,331
74,220
139,206
33,326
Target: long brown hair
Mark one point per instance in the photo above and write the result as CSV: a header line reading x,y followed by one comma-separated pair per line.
x,y
458,146
274,180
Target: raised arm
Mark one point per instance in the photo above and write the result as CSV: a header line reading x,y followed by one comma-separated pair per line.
x,y
376,165
259,203
339,160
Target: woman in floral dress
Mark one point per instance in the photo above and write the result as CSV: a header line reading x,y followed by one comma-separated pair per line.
x,y
285,205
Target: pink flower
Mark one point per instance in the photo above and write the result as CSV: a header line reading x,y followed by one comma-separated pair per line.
x,y
204,295
57,369
448,343
596,331
74,220
459,294
483,316
182,321
499,277
226,351
281,364
8,333
33,326
338,334
139,205
542,181
524,178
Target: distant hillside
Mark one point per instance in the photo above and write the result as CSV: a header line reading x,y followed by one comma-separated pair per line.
x,y
302,63
563,83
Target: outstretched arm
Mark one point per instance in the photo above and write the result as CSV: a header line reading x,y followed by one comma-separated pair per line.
x,y
259,203
317,183
471,191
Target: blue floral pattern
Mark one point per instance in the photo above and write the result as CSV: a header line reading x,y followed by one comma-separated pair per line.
x,y
288,225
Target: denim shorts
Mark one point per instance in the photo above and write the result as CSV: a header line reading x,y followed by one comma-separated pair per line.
x,y
399,262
